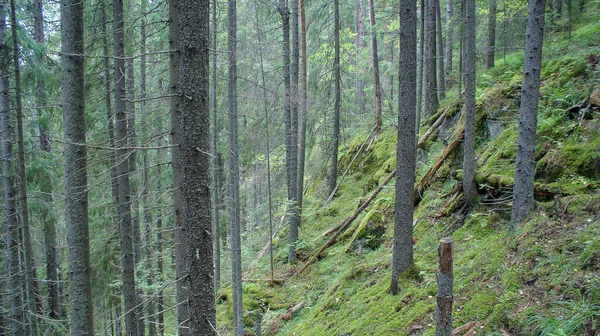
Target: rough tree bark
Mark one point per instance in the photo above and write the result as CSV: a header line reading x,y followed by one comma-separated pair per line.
x,y
303,110
29,262
234,172
430,99
123,190
48,220
375,64
441,82
491,47
213,149
469,187
12,244
76,199
525,163
360,33
149,248
174,56
193,23
449,37
336,113
402,258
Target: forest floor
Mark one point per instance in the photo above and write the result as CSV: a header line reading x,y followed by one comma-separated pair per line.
x,y
543,278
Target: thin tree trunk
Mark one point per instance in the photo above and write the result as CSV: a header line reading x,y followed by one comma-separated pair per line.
x,y
440,53
421,65
360,33
149,255
159,242
123,169
267,123
375,64
134,186
16,316
525,162
294,216
336,114
469,187
234,177
430,98
30,270
449,37
47,188
76,198
195,165
214,168
174,58
491,47
402,258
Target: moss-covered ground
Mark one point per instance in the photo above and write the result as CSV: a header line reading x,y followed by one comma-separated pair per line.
x,y
541,279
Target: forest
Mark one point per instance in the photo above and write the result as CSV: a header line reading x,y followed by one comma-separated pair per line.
x,y
300,167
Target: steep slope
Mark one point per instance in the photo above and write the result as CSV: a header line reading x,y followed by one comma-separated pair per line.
x,y
543,279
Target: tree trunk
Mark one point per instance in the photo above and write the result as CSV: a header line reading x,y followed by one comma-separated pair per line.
x,y
443,311
11,225
469,187
76,199
149,248
336,114
134,186
449,36
360,33
159,243
525,162
440,53
375,64
30,271
430,98
123,169
491,47
234,177
294,216
174,59
421,65
195,165
49,221
402,258
267,123
214,167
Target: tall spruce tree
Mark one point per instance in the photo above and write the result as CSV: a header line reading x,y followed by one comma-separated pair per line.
x,y
402,258
193,30
234,172
76,189
525,163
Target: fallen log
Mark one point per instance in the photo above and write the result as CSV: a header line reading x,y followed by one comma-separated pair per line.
x,y
423,184
464,328
275,281
274,328
428,178
348,169
421,141
347,222
266,248
434,126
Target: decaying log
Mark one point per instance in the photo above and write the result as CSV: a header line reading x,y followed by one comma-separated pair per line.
x,y
348,168
464,328
266,248
435,125
428,178
345,223
274,328
275,281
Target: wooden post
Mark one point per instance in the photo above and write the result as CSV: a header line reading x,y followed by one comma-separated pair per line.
x,y
443,312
